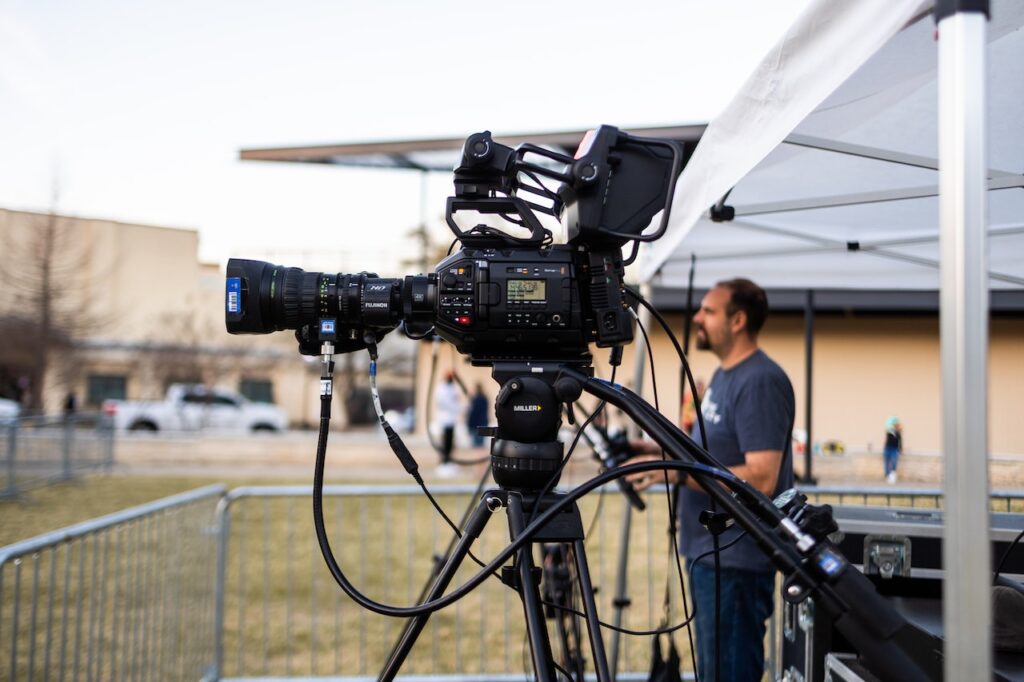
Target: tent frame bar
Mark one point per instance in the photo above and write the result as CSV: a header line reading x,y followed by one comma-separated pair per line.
x,y
876,197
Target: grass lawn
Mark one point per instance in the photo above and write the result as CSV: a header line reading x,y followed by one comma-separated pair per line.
x,y
283,613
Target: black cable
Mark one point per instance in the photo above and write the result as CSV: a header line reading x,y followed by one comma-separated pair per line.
x,y
496,563
625,631
557,473
1006,555
597,513
704,442
658,631
682,359
672,528
690,564
730,480
563,671
714,537
633,254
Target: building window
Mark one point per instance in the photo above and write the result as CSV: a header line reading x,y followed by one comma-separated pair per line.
x,y
102,387
257,390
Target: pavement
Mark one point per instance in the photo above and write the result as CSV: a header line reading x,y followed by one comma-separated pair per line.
x,y
358,455
364,456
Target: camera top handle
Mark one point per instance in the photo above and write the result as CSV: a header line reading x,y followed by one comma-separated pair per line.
x,y
607,194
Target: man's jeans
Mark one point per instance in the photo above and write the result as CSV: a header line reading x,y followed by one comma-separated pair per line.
x,y
747,600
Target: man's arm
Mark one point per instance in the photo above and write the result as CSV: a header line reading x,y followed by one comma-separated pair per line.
x,y
760,469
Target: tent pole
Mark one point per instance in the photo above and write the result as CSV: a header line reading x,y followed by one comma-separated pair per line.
x,y
966,549
808,476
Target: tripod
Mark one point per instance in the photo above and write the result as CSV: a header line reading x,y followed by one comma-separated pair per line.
x,y
529,407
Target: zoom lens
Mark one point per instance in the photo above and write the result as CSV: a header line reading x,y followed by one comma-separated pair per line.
x,y
261,298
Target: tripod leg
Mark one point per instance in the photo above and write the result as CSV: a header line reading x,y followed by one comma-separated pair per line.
x,y
415,625
590,610
536,628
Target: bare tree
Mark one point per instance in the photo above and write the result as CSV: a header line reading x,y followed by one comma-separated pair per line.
x,y
43,272
189,350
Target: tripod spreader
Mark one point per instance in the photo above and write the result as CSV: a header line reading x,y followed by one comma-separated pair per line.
x,y
892,648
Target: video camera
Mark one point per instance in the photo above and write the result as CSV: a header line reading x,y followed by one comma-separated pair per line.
x,y
502,297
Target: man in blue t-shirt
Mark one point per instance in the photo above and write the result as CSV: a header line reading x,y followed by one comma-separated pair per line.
x,y
748,412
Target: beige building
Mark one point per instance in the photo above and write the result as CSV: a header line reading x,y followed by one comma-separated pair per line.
x,y
132,310
866,366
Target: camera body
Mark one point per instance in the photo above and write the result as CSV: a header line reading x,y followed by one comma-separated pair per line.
x,y
501,298
493,304
544,305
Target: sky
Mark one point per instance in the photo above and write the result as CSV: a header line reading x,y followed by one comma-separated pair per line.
x,y
136,111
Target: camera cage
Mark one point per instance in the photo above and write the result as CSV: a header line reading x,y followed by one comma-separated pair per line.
x,y
607,194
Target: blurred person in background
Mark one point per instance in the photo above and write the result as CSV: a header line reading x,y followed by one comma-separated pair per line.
x,y
479,415
893,447
448,410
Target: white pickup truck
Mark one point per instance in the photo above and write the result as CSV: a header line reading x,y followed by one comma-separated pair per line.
x,y
192,407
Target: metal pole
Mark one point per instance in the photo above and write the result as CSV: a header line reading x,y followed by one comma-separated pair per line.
x,y
808,385
69,439
964,339
223,526
12,449
621,601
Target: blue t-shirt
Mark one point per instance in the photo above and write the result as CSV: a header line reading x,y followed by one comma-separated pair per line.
x,y
746,408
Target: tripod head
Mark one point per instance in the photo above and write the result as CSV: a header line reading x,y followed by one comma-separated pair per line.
x,y
525,450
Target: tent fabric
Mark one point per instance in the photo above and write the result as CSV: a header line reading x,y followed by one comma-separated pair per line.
x,y
841,114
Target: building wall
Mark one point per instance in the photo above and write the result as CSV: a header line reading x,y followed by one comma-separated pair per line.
x,y
151,311
865,368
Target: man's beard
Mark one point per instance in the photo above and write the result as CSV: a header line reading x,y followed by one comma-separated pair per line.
x,y
702,341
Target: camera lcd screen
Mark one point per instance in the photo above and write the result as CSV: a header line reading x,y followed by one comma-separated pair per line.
x,y
526,290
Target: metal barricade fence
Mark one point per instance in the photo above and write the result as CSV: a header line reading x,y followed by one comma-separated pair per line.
x,y
125,596
41,450
283,616
893,496
217,585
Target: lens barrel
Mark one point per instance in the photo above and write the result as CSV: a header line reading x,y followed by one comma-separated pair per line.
x,y
262,298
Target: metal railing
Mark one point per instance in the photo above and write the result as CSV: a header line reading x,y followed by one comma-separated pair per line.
x,y
281,614
125,596
230,585
41,450
893,496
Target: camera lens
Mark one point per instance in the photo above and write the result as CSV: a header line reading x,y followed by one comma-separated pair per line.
x,y
263,297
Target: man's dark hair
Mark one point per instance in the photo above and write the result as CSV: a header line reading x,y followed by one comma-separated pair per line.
x,y
750,298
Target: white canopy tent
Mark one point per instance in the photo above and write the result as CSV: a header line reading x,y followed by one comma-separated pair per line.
x,y
829,157
831,146
847,200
